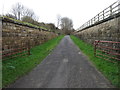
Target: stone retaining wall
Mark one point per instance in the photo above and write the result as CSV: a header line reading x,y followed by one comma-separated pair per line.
x,y
16,35
109,31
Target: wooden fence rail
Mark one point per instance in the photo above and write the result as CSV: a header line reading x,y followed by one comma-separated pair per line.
x,y
112,10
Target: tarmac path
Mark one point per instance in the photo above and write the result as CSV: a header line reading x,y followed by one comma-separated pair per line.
x,y
65,67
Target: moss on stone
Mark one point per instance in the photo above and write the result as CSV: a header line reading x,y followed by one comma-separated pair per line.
x,y
21,22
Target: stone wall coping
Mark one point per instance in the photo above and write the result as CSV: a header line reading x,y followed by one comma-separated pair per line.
x,y
18,22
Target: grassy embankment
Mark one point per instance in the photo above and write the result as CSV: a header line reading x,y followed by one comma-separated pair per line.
x,y
17,67
109,70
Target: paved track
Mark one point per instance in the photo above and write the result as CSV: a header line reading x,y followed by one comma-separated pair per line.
x,y
65,67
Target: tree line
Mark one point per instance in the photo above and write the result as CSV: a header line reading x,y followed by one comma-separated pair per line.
x,y
20,12
65,24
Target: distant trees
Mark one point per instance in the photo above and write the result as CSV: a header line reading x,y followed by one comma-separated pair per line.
x,y
20,12
28,19
66,25
10,16
29,13
17,10
58,20
51,26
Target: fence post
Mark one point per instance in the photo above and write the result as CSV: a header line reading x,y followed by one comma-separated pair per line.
x,y
95,48
111,10
29,49
103,15
118,27
94,20
29,43
91,21
1,42
98,17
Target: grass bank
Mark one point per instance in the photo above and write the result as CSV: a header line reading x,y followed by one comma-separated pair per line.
x,y
12,69
109,70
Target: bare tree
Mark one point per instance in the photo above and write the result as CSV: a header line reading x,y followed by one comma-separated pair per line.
x,y
17,10
20,11
58,20
29,16
30,13
66,25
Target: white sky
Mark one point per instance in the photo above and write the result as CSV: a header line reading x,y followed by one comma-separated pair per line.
x,y
80,11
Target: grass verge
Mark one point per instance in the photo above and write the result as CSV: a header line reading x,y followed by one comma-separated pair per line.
x,y
109,70
12,69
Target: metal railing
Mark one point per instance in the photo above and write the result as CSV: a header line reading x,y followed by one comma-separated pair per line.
x,y
15,52
106,13
107,50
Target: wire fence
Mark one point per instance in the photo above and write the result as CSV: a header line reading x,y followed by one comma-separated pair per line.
x,y
112,10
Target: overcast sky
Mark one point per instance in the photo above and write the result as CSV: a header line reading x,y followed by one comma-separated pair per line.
x,y
80,11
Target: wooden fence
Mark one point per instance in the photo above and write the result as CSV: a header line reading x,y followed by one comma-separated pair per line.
x,y
110,11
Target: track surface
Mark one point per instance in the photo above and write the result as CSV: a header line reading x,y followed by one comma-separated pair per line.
x,y
65,67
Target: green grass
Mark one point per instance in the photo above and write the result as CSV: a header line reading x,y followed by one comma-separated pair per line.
x,y
12,69
109,70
